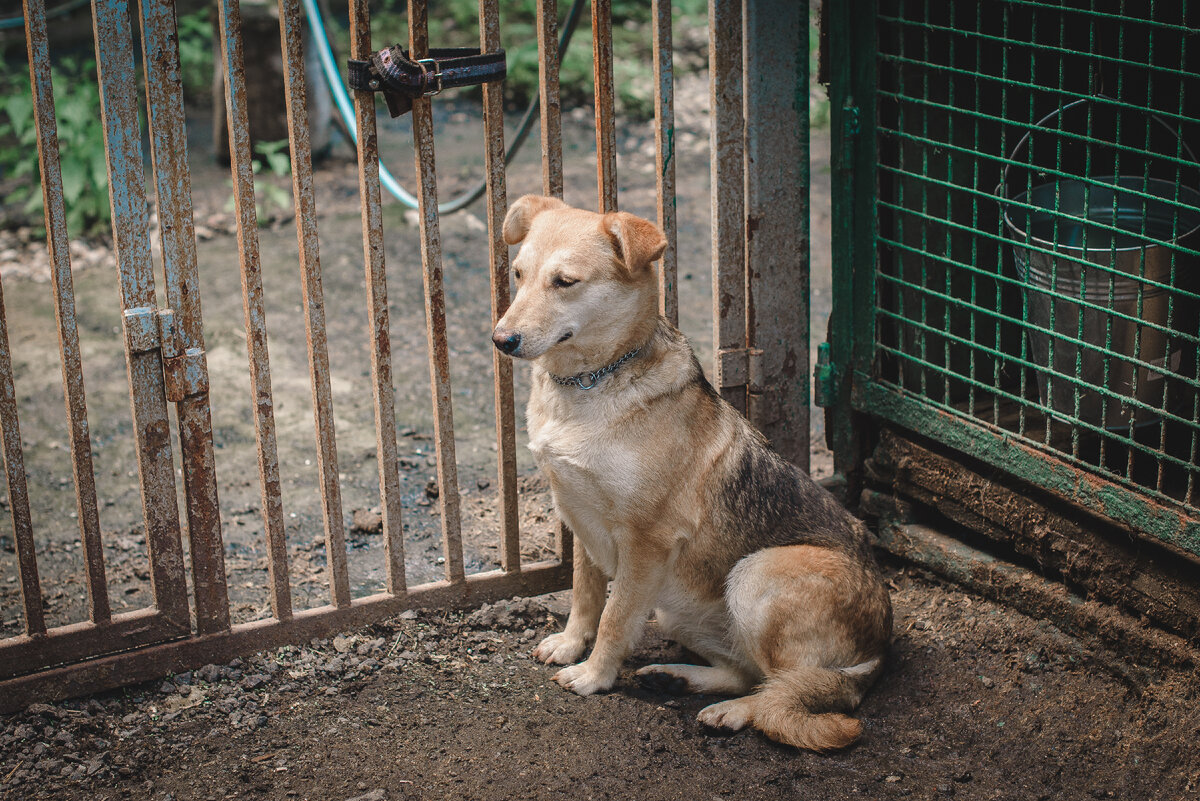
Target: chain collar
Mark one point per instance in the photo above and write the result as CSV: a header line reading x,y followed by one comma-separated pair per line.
x,y
589,380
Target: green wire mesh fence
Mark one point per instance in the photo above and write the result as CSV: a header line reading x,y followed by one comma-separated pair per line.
x,y
1037,234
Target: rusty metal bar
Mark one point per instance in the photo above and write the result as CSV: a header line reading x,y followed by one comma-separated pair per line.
x,y
606,133
84,640
502,366
247,638
377,306
552,166
435,306
728,220
122,141
777,220
86,506
551,105
253,306
18,489
291,33
182,332
664,155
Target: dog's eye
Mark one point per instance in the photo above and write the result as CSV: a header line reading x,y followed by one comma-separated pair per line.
x,y
517,274
562,282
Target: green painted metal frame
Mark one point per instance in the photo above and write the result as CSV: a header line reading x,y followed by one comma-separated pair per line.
x,y
855,389
852,120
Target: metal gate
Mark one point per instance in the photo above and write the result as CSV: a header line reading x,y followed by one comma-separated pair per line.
x,y
1015,205
761,364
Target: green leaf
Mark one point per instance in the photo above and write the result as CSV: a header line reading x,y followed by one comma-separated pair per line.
x,y
74,179
279,163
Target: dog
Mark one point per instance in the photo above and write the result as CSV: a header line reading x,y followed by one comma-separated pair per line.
x,y
672,495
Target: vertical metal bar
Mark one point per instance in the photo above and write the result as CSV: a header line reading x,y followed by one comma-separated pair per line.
x,y
502,367
1025,294
946,202
435,306
292,39
18,490
903,298
853,65
122,145
183,342
664,155
552,169
253,306
1083,271
728,171
777,220
377,307
86,506
923,226
606,134
551,106
998,298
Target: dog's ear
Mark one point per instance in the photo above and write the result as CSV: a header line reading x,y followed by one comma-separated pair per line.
x,y
520,215
636,242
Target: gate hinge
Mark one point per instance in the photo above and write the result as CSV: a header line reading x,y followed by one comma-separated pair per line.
x,y
741,367
186,375
148,328
141,329
185,371
823,378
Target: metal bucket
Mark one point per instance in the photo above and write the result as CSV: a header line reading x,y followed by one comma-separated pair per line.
x,y
1093,340
1087,322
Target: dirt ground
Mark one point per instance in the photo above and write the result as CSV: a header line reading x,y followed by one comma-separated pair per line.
x,y
979,701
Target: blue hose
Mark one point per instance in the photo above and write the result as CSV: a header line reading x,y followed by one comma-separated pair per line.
x,y
8,23
341,99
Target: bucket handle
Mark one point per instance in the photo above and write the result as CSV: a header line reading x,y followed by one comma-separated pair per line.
x,y
1002,188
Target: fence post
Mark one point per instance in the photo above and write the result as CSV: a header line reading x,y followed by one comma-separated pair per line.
x,y
777,222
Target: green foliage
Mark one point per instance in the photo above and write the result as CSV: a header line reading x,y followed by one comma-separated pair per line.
x,y
455,23
80,144
196,53
818,99
269,197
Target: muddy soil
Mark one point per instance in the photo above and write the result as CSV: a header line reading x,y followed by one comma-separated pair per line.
x,y
978,702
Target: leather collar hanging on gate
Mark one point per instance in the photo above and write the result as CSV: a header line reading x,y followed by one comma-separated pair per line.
x,y
401,78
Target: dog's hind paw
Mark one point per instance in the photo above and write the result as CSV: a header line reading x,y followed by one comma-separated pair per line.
x,y
560,649
584,679
732,715
660,679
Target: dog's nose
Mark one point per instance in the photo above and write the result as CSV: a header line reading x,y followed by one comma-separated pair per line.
x,y
506,341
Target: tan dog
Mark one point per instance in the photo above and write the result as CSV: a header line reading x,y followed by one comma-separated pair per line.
x,y
673,496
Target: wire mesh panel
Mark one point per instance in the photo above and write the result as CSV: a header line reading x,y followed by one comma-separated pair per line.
x,y
1036,239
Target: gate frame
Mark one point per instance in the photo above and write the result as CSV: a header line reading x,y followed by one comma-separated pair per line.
x,y
760,187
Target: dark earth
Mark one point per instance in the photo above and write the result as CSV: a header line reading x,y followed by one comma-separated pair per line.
x,y
979,700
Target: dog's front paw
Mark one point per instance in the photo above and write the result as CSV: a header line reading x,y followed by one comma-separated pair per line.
x,y
585,679
560,649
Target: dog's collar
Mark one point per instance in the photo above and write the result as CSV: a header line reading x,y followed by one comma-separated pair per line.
x,y
589,380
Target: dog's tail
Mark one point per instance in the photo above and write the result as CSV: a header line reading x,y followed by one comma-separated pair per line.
x,y
800,706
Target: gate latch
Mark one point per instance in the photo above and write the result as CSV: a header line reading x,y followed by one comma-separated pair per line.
x,y
401,78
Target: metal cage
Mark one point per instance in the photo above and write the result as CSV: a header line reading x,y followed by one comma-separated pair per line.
x,y
1016,275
